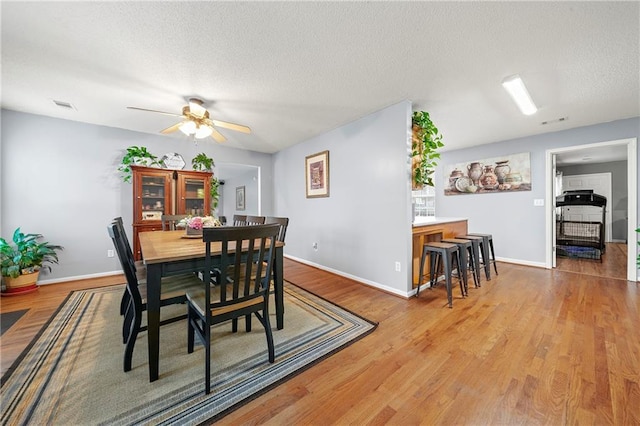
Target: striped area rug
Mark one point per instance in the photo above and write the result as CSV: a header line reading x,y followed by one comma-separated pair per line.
x,y
72,373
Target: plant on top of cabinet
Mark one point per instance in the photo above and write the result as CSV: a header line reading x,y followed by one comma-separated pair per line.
x,y
202,163
424,142
136,155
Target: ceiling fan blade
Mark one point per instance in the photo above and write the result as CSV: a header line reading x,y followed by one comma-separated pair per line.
x,y
231,126
153,110
217,136
171,128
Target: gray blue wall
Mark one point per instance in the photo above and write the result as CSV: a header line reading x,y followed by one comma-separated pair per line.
x,y
59,179
518,227
364,227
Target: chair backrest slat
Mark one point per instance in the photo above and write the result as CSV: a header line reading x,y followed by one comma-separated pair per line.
x,y
126,261
247,254
283,222
255,220
239,220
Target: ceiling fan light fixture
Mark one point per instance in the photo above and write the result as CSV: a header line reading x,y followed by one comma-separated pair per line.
x,y
188,127
203,131
518,91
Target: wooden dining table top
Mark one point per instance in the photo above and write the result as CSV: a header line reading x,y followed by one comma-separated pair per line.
x,y
168,246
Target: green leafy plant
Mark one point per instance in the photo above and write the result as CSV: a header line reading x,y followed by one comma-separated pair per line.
x,y
26,254
138,155
214,190
202,163
424,145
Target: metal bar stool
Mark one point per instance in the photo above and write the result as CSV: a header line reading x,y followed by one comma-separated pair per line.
x,y
488,241
466,256
445,253
476,243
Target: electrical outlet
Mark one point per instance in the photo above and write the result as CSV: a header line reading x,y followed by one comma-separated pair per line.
x,y
398,267
538,202
110,253
315,246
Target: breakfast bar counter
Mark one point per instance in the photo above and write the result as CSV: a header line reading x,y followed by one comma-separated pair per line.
x,y
433,229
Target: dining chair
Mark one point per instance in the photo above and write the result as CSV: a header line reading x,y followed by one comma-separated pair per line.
x,y
169,221
173,290
283,222
255,220
141,270
239,220
242,285
223,220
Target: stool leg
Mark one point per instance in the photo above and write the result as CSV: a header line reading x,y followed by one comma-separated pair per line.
x,y
433,275
485,259
455,258
462,269
447,276
424,255
493,256
476,281
476,258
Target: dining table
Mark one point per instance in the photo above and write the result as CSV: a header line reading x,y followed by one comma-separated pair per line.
x,y
167,253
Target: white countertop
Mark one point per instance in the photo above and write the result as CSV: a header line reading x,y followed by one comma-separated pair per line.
x,y
426,221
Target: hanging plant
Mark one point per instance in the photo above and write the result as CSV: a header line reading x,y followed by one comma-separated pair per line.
x,y
136,155
425,141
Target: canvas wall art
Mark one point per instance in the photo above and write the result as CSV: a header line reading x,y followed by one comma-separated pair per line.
x,y
508,173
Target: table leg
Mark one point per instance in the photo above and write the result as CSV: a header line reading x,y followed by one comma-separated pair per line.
x,y
279,286
154,276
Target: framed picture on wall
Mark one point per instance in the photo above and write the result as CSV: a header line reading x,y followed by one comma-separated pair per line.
x,y
316,171
240,198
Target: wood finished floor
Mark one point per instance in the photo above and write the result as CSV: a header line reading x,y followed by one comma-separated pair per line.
x,y
532,346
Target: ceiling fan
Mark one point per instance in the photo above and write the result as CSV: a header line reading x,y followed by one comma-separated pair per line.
x,y
196,122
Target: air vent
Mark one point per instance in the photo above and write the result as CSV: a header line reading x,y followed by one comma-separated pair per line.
x,y
557,120
65,105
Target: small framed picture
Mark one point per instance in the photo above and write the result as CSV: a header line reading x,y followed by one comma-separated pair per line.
x,y
316,170
240,205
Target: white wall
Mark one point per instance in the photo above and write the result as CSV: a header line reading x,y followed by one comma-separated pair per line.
x,y
364,227
59,178
518,227
250,182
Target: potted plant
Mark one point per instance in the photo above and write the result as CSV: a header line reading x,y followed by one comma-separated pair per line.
x,y
202,162
136,155
425,141
23,260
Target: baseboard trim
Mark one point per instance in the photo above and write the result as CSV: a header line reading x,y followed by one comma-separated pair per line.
x,y
79,277
370,283
521,262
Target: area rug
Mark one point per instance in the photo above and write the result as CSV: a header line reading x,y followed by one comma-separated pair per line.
x,y
72,373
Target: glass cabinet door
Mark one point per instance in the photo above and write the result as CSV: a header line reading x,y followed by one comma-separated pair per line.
x,y
153,189
193,194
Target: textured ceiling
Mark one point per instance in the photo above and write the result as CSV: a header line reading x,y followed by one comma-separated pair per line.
x,y
293,70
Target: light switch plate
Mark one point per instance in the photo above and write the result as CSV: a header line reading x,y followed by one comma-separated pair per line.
x,y
538,202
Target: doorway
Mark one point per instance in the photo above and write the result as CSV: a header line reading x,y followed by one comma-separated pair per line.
x,y
628,148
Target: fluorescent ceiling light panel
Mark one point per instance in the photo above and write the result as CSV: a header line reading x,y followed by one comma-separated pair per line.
x,y
516,88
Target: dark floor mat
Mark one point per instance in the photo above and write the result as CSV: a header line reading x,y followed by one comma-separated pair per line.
x,y
7,319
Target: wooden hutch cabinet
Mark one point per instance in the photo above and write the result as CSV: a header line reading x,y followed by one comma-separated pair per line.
x,y
164,191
